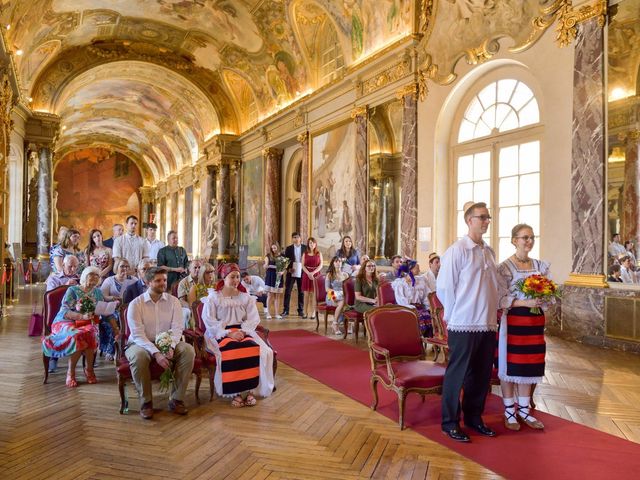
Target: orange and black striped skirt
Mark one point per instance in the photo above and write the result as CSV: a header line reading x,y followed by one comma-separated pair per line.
x,y
240,365
526,347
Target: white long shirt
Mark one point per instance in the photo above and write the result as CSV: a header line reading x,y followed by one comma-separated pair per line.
x,y
132,247
146,319
153,247
256,287
468,287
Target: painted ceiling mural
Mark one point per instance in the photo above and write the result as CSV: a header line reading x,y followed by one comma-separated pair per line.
x,y
226,64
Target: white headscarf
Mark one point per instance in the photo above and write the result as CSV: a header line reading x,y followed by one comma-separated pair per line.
x,y
86,272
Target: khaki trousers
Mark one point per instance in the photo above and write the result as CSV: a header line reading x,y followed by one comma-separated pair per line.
x,y
182,364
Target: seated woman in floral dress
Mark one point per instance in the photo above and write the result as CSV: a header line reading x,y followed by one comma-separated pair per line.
x,y
245,361
72,333
98,255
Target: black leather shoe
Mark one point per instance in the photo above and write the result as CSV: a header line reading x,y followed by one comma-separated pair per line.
x,y
482,429
457,435
285,313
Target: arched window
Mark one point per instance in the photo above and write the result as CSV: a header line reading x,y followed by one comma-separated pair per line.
x,y
497,161
330,58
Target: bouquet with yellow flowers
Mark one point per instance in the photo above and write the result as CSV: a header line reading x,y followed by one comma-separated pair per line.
x,y
538,286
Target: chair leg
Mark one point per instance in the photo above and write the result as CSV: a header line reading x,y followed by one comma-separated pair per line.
x,y
401,398
374,389
212,390
317,320
124,402
45,361
326,321
198,381
356,328
346,328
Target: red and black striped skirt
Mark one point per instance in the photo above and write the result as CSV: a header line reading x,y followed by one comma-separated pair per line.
x,y
240,365
526,347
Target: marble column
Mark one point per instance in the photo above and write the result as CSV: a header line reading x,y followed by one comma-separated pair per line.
x,y
409,199
147,196
272,173
631,191
583,295
45,178
360,117
303,138
224,201
188,209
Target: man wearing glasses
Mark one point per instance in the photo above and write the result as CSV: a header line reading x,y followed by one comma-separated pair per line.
x,y
467,286
136,289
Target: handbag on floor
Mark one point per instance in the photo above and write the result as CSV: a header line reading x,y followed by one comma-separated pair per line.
x,y
35,323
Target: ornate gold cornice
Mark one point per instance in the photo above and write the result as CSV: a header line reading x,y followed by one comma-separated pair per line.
x,y
381,79
272,153
407,90
427,9
568,17
303,137
587,280
362,111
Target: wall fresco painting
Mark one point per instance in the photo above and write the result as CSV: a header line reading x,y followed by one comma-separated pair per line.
x,y
252,199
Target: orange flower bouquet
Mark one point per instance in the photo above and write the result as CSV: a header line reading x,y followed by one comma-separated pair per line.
x,y
331,295
538,286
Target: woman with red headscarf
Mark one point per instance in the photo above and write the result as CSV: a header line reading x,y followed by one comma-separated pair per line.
x,y
245,361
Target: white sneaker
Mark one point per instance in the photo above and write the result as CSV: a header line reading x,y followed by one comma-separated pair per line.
x,y
268,317
279,317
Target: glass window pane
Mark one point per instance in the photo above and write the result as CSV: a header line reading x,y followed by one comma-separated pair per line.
x,y
474,110
482,166
465,168
462,228
466,131
530,189
488,95
489,117
508,192
505,89
535,251
465,194
531,216
529,114
530,157
482,192
508,164
508,220
502,111
505,248
510,122
481,130
521,96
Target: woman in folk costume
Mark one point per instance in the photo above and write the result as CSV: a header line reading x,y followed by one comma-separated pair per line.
x,y
521,345
245,361
411,290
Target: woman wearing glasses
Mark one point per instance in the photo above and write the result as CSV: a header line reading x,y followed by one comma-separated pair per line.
x,y
521,345
366,287
205,282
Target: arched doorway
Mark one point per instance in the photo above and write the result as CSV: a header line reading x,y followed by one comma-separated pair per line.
x,y
293,189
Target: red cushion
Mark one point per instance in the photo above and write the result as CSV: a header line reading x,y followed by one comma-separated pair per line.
x,y
354,314
396,329
322,307
437,341
416,374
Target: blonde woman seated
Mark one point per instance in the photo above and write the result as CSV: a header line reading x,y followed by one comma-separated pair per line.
x,y
113,287
204,283
245,361
335,295
411,290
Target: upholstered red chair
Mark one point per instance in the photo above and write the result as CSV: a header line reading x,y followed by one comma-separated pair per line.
x,y
52,303
321,302
440,337
123,370
397,352
351,315
386,295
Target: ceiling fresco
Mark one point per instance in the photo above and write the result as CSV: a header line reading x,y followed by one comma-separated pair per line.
x,y
226,64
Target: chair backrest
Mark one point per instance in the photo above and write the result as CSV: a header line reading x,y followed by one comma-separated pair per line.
x,y
437,317
321,292
52,303
348,287
173,290
196,309
386,294
124,325
395,328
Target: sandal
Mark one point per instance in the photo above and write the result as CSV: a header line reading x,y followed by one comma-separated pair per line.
x,y
515,426
71,381
250,401
529,419
237,402
91,376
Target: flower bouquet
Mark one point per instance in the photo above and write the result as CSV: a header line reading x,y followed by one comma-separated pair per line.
x,y
281,266
538,286
164,342
331,295
86,306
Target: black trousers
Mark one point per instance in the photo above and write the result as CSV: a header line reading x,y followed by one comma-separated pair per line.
x,y
263,300
470,364
287,293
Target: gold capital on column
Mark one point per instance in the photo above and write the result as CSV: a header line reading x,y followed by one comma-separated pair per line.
x,y
303,137
569,16
411,89
359,112
271,153
148,194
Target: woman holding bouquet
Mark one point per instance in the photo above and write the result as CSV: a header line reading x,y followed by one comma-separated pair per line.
x,y
274,278
245,361
521,344
74,332
333,286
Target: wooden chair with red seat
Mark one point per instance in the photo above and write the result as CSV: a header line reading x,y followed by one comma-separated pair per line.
x,y
386,295
52,303
123,370
351,315
397,352
321,302
440,338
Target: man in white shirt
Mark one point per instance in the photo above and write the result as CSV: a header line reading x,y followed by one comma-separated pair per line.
x,y
294,253
468,287
130,246
615,247
255,287
432,274
154,312
153,244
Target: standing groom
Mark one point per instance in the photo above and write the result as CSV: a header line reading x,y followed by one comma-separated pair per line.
x,y
467,286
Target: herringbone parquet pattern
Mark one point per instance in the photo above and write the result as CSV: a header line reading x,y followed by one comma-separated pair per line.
x,y
304,431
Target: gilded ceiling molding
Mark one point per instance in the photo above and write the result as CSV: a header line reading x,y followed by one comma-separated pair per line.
x,y
393,73
362,111
303,137
147,194
569,17
427,14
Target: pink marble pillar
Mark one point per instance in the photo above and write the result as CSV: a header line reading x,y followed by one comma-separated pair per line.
x,y
408,207
224,201
631,191
303,138
272,173
360,117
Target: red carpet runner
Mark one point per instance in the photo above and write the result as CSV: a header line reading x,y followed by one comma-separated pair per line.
x,y
564,450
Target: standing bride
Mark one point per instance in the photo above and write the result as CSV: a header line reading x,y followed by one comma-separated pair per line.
x,y
521,345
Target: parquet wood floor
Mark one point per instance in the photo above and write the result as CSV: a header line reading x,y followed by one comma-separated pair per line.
x,y
304,431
